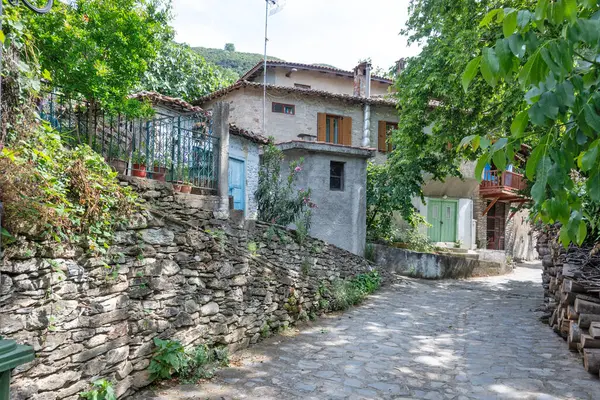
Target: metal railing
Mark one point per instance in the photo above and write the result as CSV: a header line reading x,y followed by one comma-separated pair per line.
x,y
175,148
506,179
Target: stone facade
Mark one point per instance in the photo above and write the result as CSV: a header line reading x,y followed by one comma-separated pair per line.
x,y
329,82
175,271
521,238
341,215
246,106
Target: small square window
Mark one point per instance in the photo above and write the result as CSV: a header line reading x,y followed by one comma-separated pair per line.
x,y
336,175
289,109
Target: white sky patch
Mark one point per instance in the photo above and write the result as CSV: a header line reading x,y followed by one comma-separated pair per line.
x,y
336,32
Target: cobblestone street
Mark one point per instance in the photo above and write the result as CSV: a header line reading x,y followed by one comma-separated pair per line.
x,y
475,339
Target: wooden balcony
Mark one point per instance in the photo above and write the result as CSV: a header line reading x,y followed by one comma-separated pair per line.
x,y
502,186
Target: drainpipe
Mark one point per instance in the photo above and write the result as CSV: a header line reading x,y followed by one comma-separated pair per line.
x,y
367,111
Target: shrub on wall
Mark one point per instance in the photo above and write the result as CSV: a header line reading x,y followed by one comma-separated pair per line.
x,y
54,192
278,200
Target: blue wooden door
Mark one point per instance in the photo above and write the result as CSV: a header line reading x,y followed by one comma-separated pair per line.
x,y
237,183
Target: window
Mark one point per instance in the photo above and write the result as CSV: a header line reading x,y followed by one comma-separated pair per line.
x,y
336,175
383,138
301,86
334,129
284,108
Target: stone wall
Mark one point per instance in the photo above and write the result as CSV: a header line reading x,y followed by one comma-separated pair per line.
x,y
520,237
439,266
174,272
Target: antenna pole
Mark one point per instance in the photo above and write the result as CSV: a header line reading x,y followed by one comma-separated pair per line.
x,y
264,125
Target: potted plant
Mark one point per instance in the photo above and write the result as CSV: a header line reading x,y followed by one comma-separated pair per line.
x,y
186,187
116,160
182,183
158,171
139,164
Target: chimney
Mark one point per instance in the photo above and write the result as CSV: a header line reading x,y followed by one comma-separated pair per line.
x,y
362,79
400,65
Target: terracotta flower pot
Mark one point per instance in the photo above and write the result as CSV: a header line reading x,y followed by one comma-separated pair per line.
x,y
186,189
139,170
158,173
119,165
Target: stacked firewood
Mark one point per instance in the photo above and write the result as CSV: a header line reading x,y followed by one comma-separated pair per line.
x,y
571,280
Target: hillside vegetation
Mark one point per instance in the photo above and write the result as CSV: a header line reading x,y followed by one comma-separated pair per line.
x,y
236,61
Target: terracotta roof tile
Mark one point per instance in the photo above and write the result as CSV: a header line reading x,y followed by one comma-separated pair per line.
x,y
172,102
313,67
254,137
289,89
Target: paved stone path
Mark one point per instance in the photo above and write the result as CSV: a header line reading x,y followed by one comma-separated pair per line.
x,y
475,339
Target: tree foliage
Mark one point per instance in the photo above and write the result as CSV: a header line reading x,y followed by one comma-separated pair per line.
x,y
100,49
229,47
552,53
434,111
235,61
179,71
386,195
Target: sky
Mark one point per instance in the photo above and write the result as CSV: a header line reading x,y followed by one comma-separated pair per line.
x,y
335,32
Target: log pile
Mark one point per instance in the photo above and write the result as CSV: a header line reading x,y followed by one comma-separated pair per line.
x,y
571,281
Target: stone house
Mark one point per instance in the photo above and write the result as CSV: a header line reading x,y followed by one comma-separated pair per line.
x,y
334,119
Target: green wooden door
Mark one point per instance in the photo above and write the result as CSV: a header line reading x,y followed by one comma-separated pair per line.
x,y
441,214
433,217
448,221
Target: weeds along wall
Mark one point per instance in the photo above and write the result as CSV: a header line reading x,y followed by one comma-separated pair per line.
x,y
174,272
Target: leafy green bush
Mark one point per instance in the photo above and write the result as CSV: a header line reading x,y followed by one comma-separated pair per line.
x,y
415,240
169,359
350,292
68,194
197,366
101,390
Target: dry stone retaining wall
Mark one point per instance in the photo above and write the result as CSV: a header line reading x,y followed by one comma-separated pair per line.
x,y
174,272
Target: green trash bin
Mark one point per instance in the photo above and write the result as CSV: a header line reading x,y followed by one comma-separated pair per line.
x,y
11,355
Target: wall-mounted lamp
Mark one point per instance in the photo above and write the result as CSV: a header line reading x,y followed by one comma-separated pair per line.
x,y
291,72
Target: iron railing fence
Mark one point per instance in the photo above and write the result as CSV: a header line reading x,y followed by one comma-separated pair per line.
x,y
177,148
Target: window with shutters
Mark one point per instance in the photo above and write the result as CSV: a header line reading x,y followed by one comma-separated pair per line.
x,y
283,108
335,129
384,144
336,175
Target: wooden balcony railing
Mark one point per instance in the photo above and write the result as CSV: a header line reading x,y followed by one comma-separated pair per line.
x,y
503,180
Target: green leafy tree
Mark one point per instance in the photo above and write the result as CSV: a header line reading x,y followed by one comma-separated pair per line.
x,y
434,111
179,71
552,53
100,49
229,47
388,194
